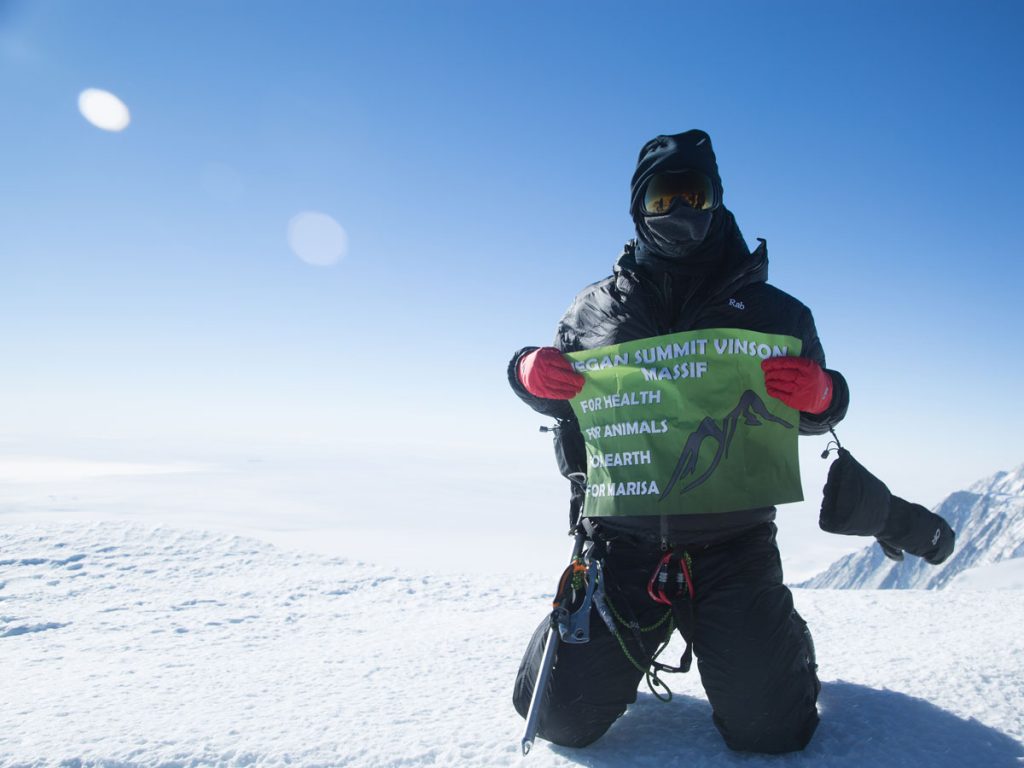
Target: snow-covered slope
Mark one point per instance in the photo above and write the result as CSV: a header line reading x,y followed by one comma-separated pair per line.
x,y
1007,574
124,645
989,522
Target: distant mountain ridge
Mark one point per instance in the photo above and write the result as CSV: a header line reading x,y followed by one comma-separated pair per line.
x,y
988,519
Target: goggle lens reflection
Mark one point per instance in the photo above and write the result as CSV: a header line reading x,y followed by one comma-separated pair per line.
x,y
692,188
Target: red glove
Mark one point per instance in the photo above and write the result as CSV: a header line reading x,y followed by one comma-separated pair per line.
x,y
798,382
545,373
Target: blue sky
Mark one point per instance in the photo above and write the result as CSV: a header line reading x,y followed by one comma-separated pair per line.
x,y
478,155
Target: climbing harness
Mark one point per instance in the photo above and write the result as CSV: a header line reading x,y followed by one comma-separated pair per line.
x,y
676,617
582,586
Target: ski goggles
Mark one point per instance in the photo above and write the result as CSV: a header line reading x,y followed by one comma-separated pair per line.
x,y
690,188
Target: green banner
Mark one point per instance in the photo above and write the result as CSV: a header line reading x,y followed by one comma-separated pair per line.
x,y
682,424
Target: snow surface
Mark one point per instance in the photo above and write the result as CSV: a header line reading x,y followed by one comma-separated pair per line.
x,y
1007,574
123,644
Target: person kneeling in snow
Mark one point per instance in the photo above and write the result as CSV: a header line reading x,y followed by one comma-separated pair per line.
x,y
689,268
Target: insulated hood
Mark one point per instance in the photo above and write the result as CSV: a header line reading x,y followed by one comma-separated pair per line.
x,y
679,152
683,239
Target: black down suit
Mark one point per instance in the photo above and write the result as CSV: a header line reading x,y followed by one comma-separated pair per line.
x,y
754,653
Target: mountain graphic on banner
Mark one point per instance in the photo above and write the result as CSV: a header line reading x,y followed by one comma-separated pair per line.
x,y
751,409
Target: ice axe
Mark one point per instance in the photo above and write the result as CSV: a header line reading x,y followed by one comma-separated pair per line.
x,y
568,626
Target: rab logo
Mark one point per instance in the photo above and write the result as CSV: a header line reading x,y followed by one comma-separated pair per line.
x,y
935,538
737,304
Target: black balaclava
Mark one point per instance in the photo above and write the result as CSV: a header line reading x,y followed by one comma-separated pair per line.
x,y
684,239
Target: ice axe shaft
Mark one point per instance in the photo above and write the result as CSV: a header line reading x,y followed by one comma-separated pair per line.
x,y
533,715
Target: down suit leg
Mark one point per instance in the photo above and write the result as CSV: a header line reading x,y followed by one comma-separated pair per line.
x,y
753,650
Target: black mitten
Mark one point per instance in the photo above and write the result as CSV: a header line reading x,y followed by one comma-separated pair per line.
x,y
856,503
914,529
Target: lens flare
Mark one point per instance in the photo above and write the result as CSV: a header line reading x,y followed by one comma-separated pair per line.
x,y
103,109
316,238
